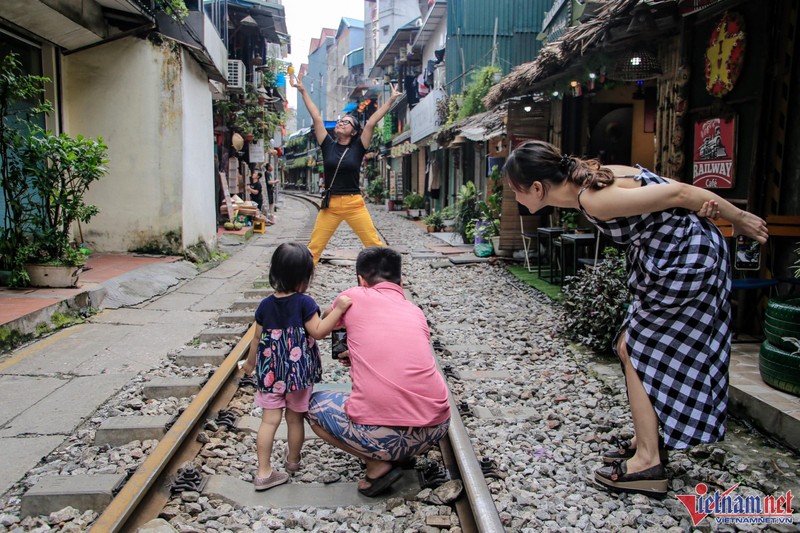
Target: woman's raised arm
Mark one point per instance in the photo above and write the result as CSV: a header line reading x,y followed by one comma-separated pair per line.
x,y
319,125
369,127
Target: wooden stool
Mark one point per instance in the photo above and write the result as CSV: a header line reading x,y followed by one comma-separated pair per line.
x,y
259,225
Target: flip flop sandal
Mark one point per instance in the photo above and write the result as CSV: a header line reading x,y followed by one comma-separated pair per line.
x,y
380,485
651,482
273,480
625,452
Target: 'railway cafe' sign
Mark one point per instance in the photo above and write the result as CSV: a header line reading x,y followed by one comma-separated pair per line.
x,y
714,153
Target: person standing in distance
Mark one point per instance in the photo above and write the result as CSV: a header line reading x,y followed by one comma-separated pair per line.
x,y
254,188
342,157
271,183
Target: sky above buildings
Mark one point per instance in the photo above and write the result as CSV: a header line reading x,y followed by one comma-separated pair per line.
x,y
305,20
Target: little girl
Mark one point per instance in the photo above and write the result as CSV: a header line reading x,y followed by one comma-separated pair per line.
x,y
285,356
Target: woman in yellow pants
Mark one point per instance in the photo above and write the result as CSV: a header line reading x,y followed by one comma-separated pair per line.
x,y
342,155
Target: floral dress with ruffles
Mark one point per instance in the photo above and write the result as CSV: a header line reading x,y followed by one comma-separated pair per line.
x,y
288,358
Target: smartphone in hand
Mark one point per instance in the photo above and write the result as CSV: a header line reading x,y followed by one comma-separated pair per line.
x,y
748,254
338,342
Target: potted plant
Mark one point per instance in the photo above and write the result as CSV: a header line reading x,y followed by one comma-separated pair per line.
x,y
466,209
487,227
448,216
569,220
488,230
413,204
595,302
375,190
16,123
60,169
433,221
44,178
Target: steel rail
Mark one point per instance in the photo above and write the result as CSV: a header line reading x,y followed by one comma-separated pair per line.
x,y
121,509
484,511
484,515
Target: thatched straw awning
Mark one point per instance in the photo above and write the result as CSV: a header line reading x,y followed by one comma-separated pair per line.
x,y
480,127
556,56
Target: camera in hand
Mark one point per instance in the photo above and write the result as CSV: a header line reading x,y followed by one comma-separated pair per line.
x,y
338,342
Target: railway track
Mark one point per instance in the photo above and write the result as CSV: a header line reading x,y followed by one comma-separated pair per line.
x,y
161,481
538,411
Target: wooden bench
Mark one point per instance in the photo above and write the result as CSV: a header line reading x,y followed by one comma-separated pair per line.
x,y
778,226
783,226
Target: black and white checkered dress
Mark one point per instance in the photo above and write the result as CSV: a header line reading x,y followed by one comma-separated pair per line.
x,y
679,321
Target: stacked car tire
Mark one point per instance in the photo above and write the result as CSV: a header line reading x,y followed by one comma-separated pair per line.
x,y
779,361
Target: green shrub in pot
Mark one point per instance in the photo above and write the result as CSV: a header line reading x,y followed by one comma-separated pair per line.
x,y
595,302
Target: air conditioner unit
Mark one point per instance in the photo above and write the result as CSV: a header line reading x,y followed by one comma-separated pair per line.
x,y
236,73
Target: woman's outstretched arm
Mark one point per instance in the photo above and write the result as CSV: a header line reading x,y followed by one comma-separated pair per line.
x,y
369,127
319,125
613,202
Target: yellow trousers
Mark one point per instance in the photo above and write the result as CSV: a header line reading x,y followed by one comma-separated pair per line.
x,y
351,209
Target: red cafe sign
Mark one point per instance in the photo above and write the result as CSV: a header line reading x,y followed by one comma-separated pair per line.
x,y
714,153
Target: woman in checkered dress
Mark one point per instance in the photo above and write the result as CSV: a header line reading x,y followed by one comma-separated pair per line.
x,y
674,344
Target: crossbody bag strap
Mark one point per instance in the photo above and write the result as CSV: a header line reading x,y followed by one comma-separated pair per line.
x,y
337,168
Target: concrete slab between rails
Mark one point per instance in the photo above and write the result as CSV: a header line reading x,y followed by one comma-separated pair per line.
x,y
507,412
474,375
249,304
119,430
258,293
172,387
241,317
201,356
470,348
296,495
82,492
467,259
426,255
222,334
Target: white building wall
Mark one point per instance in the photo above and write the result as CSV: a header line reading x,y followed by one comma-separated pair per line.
x,y
199,203
136,95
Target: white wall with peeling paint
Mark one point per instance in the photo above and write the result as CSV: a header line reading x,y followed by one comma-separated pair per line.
x,y
151,105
